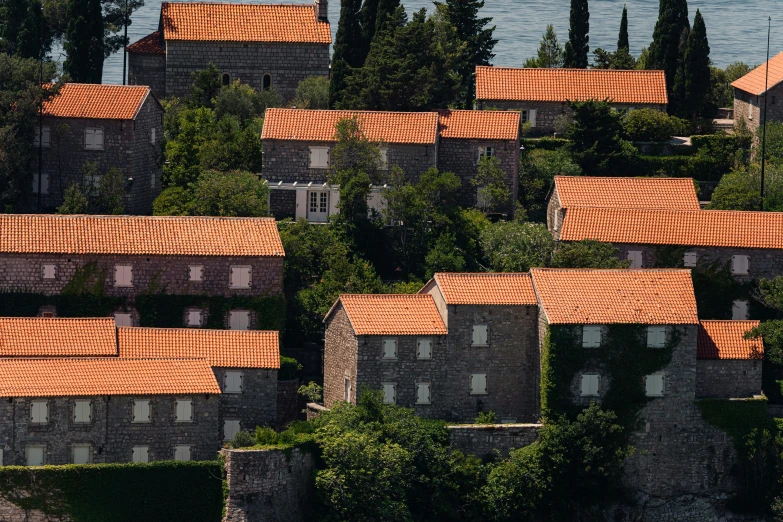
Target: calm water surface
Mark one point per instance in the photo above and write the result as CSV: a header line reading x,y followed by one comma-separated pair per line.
x,y
736,28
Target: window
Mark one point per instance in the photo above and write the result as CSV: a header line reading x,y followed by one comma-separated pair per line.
x,y
91,184
81,453
347,390
44,183
184,409
424,349
739,310
93,139
240,277
181,452
48,271
230,429
141,454
478,384
196,273
141,410
390,348
653,385
35,455
194,318
740,265
689,259
591,336
152,179
423,392
45,134
82,411
750,110
656,336
319,157
267,83
384,158
233,382
485,152
123,275
239,320
528,116
39,412
480,335
389,393
1,456
226,78
635,256
590,383
123,319
152,135
318,205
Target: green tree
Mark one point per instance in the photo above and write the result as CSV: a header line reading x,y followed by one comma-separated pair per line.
x,y
75,201
84,41
587,254
226,194
622,38
205,86
444,256
24,31
172,201
347,48
312,93
386,13
369,16
741,189
697,72
244,102
577,47
652,125
721,79
537,171
550,52
620,59
667,49
110,191
515,247
597,143
492,193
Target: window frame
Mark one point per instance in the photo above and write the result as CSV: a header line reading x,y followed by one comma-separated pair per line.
x,y
589,330
86,446
146,454
35,412
225,425
473,335
737,306
78,411
590,380
197,270
234,374
663,384
178,447
235,313
419,385
485,151
241,271
120,269
655,331
318,150
96,131
393,386
123,314
44,183
690,264
43,133
141,403
27,449
183,410
429,342
486,384
744,259
384,163
631,255
386,341
199,314
52,268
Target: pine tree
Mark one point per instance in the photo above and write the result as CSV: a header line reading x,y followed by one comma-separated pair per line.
x,y
697,69
577,48
386,13
369,15
13,14
347,48
622,40
550,52
84,41
668,45
34,37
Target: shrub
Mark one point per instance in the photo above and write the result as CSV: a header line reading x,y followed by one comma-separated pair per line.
x,y
242,439
543,143
486,417
289,368
312,391
653,125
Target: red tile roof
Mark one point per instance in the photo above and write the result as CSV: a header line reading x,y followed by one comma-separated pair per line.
x,y
587,191
717,228
480,125
56,337
724,340
318,125
560,85
755,80
217,22
486,288
391,314
139,235
150,44
221,348
592,296
84,377
95,101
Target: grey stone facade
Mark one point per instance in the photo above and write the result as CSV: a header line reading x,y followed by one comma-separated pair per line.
x,y
748,107
256,405
148,69
341,358
728,378
485,440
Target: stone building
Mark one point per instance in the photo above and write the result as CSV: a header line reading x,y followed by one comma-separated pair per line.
x,y
113,126
265,46
79,392
542,95
727,364
210,256
750,90
297,147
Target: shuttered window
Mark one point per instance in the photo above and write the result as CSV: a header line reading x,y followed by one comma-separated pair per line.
x,y
233,382
141,410
740,265
689,259
230,428
123,275
739,310
390,348
239,320
480,335
654,385
42,133
35,455
140,454
319,157
48,271
39,412
384,158
194,317
196,273
591,336
389,393
590,385
635,256
81,453
656,336
424,348
423,392
82,411
347,390
184,409
240,277
478,384
93,139
182,453
44,183
123,319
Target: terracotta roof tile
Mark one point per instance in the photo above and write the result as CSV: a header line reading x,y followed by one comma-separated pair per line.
x,y
717,228
587,191
83,377
139,235
317,125
56,337
755,80
724,340
392,314
150,44
591,296
560,85
218,22
221,348
480,125
486,288
95,101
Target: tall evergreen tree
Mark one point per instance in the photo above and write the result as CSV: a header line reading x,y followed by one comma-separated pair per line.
x,y
385,13
622,40
369,15
347,48
84,41
12,16
697,69
577,48
668,46
34,37
550,52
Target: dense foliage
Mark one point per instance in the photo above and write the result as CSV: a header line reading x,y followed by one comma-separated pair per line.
x,y
550,52
227,194
597,139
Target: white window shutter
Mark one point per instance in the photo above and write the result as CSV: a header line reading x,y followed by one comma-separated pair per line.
x,y
241,382
89,138
532,117
235,277
98,138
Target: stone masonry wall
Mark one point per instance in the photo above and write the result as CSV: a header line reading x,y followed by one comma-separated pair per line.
x,y
484,439
286,63
743,101
256,405
10,512
268,485
148,69
554,214
728,378
288,408
341,349
147,159
282,204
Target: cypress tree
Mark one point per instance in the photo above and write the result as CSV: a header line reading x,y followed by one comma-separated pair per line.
x,y
386,10
13,14
369,15
577,48
347,48
697,69
30,43
622,40
84,41
668,45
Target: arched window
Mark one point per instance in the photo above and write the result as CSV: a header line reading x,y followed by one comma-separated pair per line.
x,y
226,79
267,82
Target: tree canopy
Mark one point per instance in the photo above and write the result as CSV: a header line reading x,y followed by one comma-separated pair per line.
x,y
667,49
622,38
550,52
84,41
697,72
577,47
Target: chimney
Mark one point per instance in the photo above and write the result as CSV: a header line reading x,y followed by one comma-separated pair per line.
x,y
321,10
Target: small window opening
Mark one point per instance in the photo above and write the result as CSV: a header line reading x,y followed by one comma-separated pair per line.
x,y
226,79
267,82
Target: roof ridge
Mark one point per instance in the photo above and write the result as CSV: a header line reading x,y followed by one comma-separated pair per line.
x,y
294,109
572,69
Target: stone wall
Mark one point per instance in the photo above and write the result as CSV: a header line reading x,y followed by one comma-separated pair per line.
x,y
147,159
256,405
10,512
554,214
287,403
268,485
341,349
148,69
282,203
485,439
718,378
743,101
